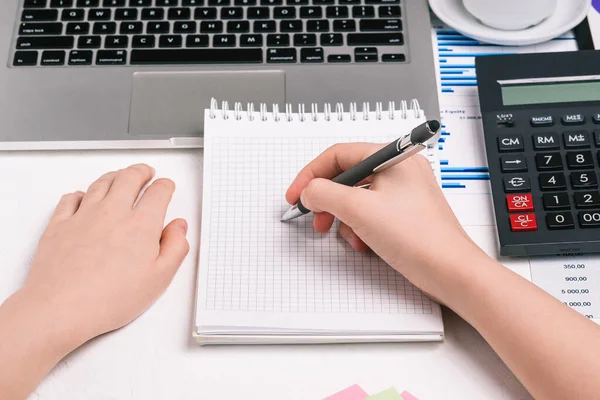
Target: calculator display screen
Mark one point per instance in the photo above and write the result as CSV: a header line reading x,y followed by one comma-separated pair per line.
x,y
540,93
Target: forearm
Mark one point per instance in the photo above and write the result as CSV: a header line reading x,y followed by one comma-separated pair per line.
x,y
34,337
553,350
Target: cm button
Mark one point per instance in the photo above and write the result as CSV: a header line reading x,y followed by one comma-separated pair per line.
x,y
508,143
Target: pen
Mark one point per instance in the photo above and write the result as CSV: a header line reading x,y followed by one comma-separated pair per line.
x,y
390,155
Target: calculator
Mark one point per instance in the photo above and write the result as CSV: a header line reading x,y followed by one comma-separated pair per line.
x,y
541,120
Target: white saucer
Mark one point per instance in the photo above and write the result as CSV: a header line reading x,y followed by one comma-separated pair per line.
x,y
568,14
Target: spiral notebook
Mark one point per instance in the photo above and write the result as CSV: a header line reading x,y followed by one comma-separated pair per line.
x,y
264,281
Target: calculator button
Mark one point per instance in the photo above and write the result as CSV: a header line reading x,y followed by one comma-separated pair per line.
x,y
553,181
597,138
584,180
562,220
587,199
523,222
516,183
519,202
573,119
556,201
575,140
516,163
545,141
580,159
589,219
548,161
596,118
542,120
505,119
510,143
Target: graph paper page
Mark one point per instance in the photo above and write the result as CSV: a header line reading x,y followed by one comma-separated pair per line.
x,y
257,273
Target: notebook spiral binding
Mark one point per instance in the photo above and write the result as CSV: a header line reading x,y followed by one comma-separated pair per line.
x,y
364,114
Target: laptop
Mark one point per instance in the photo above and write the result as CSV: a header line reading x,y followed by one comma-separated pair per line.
x,y
96,74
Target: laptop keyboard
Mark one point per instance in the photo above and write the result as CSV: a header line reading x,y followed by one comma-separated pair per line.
x,y
174,32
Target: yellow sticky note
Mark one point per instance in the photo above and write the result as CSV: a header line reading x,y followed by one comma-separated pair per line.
x,y
390,394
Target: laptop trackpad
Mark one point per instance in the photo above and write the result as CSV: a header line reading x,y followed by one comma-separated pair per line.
x,y
173,103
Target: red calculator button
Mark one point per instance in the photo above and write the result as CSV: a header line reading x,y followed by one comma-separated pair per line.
x,y
519,202
523,222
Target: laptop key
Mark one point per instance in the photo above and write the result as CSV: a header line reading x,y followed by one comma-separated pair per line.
x,y
224,41
311,12
312,55
192,3
81,57
245,2
363,11
89,42
389,11
39,15
140,3
78,28
128,28
287,55
323,2
251,41
158,27
35,3
344,25
305,39
184,27
348,2
41,28
75,14
264,26
143,41
337,12
53,57
271,2
25,58
319,25
219,2
258,13
205,13
105,28
211,27
361,39
278,40
153,14
116,42
99,14
371,25
339,58
88,3
196,41
111,57
45,42
284,12
196,56
232,13
238,26
179,13
365,54
332,39
291,26
167,3
61,3
113,3
172,41
126,14
393,58
297,2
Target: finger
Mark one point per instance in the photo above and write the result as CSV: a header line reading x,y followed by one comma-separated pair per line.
x,y
323,221
349,204
351,237
128,183
173,247
329,164
156,199
99,189
67,207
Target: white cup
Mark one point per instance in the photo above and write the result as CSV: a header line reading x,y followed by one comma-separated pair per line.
x,y
510,14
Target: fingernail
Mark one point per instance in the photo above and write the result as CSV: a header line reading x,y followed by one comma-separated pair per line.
x,y
80,193
183,225
153,171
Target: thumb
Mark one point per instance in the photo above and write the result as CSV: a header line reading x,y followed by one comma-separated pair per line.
x,y
345,202
173,246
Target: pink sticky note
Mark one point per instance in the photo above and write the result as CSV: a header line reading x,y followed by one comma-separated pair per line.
x,y
407,396
354,392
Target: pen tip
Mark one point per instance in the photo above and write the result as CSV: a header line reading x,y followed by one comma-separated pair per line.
x,y
433,125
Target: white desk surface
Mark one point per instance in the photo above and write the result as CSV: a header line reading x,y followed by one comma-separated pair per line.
x,y
155,358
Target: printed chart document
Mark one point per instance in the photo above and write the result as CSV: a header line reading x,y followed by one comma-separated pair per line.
x,y
264,281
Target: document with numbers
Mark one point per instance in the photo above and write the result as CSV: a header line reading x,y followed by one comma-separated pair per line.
x,y
264,281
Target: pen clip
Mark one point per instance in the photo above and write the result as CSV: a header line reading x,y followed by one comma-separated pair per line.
x,y
409,151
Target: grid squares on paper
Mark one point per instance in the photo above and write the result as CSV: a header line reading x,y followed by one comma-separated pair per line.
x,y
257,263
